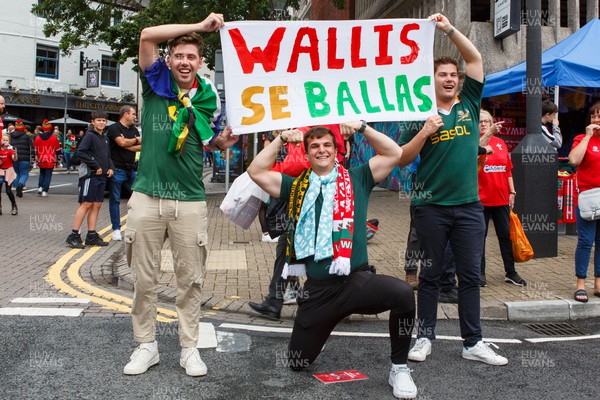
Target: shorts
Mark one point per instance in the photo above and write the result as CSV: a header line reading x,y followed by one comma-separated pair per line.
x,y
91,189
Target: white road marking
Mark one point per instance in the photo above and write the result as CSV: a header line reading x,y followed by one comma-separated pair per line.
x,y
207,337
46,300
42,312
562,339
256,328
51,186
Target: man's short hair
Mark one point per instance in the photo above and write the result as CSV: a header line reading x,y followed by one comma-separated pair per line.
x,y
190,38
98,114
444,60
548,107
124,110
27,128
316,133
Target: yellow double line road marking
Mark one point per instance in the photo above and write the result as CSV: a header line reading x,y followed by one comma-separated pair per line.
x,y
99,296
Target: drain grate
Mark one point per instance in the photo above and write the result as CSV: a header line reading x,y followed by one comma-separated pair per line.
x,y
556,329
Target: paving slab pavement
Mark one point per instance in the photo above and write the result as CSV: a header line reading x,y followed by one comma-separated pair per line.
x,y
36,239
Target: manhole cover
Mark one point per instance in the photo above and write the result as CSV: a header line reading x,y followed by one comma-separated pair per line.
x,y
556,329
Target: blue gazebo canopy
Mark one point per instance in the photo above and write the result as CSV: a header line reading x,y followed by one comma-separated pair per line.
x,y
571,62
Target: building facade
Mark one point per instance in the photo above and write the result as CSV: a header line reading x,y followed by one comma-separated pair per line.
x,y
38,82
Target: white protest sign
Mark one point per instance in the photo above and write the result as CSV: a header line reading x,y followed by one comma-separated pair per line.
x,y
295,73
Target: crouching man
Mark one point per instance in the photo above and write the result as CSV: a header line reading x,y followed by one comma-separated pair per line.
x,y
325,244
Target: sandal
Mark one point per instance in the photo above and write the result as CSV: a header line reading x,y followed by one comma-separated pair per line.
x,y
581,296
597,293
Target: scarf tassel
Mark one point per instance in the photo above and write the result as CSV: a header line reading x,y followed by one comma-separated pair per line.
x,y
293,270
340,266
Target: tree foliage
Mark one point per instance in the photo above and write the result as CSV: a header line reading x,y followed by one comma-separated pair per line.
x,y
119,22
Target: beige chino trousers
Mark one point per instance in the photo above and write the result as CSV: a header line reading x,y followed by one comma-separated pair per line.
x,y
148,223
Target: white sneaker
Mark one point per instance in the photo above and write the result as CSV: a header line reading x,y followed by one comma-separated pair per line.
x,y
117,235
290,296
191,361
143,357
402,382
420,350
269,239
484,353
39,191
44,194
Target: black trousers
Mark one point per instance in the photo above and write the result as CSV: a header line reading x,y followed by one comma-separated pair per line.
x,y
325,303
501,217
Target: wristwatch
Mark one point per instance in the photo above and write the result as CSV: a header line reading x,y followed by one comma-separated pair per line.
x,y
363,126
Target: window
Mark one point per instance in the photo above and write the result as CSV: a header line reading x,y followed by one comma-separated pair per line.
x,y
110,71
46,62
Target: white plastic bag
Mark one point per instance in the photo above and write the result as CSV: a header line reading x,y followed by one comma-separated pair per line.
x,y
243,200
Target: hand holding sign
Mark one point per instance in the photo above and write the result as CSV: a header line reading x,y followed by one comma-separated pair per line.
x,y
294,136
212,23
347,129
432,124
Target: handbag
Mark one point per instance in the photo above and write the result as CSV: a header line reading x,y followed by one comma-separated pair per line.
x,y
521,248
589,204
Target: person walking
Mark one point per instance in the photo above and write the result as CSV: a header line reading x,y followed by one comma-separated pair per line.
x,y
46,146
20,139
7,173
585,154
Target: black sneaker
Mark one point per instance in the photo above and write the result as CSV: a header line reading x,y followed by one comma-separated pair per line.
x,y
74,240
20,190
482,281
515,280
14,210
95,241
449,296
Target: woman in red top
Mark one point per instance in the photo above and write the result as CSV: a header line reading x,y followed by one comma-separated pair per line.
x,y
585,154
497,194
7,172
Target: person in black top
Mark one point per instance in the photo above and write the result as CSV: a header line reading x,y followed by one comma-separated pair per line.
x,y
20,139
95,168
125,141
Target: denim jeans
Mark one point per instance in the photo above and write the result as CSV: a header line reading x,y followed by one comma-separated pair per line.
x,y
500,216
588,233
68,157
22,170
45,178
463,226
121,178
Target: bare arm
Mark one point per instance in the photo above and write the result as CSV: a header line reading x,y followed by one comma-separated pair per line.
x,y
151,37
388,152
411,150
135,148
513,194
576,155
260,169
466,48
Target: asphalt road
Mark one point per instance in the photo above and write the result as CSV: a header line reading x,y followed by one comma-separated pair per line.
x,y
82,358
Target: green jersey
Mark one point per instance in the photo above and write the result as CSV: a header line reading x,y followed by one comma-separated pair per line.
x,y
161,174
447,173
362,184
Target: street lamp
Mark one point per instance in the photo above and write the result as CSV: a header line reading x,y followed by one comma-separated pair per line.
x,y
279,7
